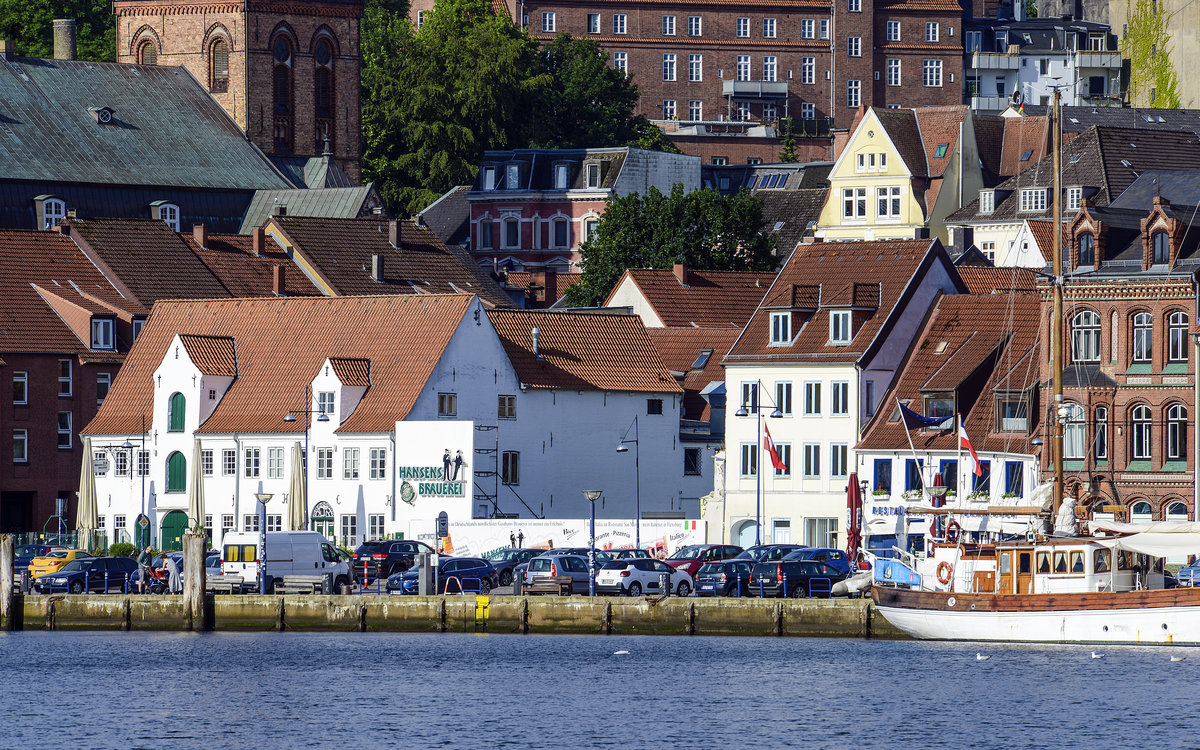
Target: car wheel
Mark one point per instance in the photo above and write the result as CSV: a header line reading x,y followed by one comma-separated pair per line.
x,y
799,592
341,585
635,589
77,587
485,587
683,589
506,578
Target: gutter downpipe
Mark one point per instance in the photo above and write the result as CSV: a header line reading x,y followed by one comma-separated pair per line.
x,y
237,480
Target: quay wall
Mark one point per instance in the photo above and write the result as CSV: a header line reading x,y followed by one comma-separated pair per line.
x,y
853,618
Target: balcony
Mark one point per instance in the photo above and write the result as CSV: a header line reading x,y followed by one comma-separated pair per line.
x,y
755,89
1108,60
990,103
994,61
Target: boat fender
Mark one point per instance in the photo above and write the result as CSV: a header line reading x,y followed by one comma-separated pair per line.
x,y
944,569
952,532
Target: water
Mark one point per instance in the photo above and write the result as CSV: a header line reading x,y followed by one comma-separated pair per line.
x,y
134,690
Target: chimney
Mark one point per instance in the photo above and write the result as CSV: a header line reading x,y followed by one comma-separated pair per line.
x,y
681,273
277,282
535,334
200,235
8,49
537,284
394,233
260,242
64,39
377,268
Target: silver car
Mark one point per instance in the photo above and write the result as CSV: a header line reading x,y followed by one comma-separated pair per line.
x,y
575,566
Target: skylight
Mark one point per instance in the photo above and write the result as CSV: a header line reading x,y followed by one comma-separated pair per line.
x,y
1025,156
702,359
941,150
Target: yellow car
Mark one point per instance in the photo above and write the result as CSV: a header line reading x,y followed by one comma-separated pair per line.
x,y
52,562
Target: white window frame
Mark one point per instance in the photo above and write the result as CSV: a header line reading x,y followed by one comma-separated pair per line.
x,y
823,25
549,22
668,67
228,462
808,28
1033,200
808,111
853,93
206,463
812,398
695,110
839,460
742,70
854,46
695,67
770,68
893,31
668,25
783,397
670,112
742,27
748,463
21,446
103,333
887,203
378,463
808,70
324,463
812,461
854,199
695,26
839,393
252,462
932,31
593,23
839,327
621,62
620,23
66,437
169,213
53,211
275,463
784,451
325,402
350,463
781,328
1074,198
893,71
931,73
987,201
769,28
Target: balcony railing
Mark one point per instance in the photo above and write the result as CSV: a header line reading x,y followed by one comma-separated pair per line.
x,y
990,103
994,61
1085,59
755,89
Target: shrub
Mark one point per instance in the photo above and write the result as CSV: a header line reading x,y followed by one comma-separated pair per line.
x,y
122,549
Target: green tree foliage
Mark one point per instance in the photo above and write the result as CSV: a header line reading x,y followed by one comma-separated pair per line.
x,y
787,140
1147,44
701,228
30,25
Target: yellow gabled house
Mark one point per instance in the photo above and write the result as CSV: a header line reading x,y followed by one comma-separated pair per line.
x,y
903,171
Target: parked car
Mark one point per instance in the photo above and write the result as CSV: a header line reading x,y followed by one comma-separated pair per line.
x,y
692,556
630,554
635,577
505,560
834,557
385,557
54,560
769,552
725,578
473,575
575,566
101,574
25,553
602,555
288,553
1189,575
794,578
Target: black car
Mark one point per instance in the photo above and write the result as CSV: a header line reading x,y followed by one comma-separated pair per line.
x,y
724,578
100,574
505,560
385,557
769,552
794,578
470,575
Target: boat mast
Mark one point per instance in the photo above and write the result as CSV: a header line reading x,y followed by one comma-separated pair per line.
x,y
1056,316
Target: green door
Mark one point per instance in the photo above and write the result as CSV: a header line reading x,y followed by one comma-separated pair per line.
x,y
173,526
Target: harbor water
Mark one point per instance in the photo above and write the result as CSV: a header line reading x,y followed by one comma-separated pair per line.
x,y
288,690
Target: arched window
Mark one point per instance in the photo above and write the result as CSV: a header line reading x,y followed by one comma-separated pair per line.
x,y
1085,337
1143,333
281,85
1100,444
53,211
1140,511
1139,423
1177,337
1087,249
218,66
1074,432
176,409
1177,433
323,90
176,472
147,53
1162,247
1177,511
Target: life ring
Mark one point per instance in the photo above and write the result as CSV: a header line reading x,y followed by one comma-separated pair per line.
x,y
952,532
944,570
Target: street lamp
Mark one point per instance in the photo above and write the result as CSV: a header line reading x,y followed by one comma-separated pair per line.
x,y
593,496
637,478
743,411
307,412
263,499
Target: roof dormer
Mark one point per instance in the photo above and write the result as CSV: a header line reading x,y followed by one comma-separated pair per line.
x,y
1162,234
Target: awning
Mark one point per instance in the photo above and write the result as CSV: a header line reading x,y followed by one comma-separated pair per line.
x,y
991,524
1156,538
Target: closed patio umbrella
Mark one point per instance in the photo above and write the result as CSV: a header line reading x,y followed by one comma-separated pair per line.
x,y
854,509
297,498
196,490
86,512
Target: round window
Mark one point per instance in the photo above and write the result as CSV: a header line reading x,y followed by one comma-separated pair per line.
x,y
322,53
283,50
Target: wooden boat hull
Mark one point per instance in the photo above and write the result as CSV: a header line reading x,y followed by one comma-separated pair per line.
x,y
1166,617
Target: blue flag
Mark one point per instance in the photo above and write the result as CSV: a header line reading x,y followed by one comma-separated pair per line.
x,y
914,421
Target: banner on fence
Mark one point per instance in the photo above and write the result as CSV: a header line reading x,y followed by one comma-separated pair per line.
x,y
476,538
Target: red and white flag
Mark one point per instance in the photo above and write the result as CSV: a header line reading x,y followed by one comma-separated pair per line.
x,y
965,442
776,461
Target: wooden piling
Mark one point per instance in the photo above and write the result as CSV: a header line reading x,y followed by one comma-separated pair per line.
x,y
193,581
7,600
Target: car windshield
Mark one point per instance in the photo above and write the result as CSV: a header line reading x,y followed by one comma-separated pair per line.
x,y
57,553
799,554
28,549
710,568
502,555
369,547
690,552
77,565
615,565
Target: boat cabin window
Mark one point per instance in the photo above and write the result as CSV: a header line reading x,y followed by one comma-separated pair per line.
x,y
1077,561
1005,563
1043,562
1060,562
1124,560
1100,560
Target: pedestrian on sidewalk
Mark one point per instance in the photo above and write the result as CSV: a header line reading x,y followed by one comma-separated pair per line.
x,y
144,561
174,582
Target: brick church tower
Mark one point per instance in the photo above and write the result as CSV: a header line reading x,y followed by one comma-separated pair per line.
x,y
287,71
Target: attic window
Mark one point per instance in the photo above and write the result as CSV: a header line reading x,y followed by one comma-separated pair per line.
x,y
702,359
940,152
52,211
839,327
781,328
166,212
102,115
1025,156
987,201
593,175
1076,157
941,347
102,333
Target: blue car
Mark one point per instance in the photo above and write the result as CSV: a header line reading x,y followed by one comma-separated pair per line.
x,y
471,575
1189,575
99,574
835,558
25,553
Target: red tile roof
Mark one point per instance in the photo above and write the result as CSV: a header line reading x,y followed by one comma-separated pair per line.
x,y
710,299
838,268
352,372
990,279
403,336
939,125
680,347
212,355
1043,235
1021,134
231,258
582,351
966,336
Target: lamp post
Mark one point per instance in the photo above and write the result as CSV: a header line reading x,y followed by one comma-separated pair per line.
x,y
637,479
743,411
263,499
593,496
307,412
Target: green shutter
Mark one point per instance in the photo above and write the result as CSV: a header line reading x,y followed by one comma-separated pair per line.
x,y
176,472
176,408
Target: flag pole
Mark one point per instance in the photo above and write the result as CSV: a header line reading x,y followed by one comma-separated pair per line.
x,y
913,448
958,456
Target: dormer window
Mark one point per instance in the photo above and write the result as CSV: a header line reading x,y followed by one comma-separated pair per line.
x,y
839,327
1074,198
136,325
102,333
512,173
562,176
166,212
489,178
987,201
1162,248
781,328
592,172
50,211
1033,199
1087,249
939,405
1012,414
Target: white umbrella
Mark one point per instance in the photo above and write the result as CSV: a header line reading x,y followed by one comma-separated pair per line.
x,y
86,514
297,498
196,491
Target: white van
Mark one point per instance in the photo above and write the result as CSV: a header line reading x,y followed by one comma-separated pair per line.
x,y
289,553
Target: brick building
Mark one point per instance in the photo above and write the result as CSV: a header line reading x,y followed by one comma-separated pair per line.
x,y
286,72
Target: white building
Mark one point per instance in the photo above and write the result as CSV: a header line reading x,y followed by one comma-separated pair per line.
x,y
822,349
409,406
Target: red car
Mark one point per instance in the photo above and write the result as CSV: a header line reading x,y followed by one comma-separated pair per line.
x,y
691,557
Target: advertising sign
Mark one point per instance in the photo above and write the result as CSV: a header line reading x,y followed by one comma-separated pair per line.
x,y
433,463
482,536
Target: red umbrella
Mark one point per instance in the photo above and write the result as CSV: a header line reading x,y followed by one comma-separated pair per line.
x,y
854,509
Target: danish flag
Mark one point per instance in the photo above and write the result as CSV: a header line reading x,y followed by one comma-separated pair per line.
x,y
965,442
776,461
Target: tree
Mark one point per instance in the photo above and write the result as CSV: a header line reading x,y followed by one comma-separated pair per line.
x,y
30,25
701,228
1147,44
787,130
